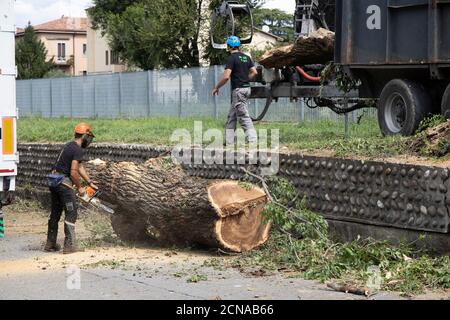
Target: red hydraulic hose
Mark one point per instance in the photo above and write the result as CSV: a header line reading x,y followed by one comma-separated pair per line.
x,y
307,76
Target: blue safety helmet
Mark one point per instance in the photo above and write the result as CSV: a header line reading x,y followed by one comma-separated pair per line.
x,y
234,42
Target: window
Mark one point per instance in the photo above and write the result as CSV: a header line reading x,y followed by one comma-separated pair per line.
x,y
61,52
114,57
84,49
107,58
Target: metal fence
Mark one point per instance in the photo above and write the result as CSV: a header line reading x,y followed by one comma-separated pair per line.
x,y
168,93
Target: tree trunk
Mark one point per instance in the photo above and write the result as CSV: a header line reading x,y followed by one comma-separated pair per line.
x,y
318,48
159,201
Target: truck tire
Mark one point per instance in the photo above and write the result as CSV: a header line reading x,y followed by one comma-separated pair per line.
x,y
445,109
403,105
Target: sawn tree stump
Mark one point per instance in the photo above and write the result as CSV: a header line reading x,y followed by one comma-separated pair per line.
x,y
158,201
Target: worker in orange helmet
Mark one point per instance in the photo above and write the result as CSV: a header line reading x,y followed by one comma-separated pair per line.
x,y
66,174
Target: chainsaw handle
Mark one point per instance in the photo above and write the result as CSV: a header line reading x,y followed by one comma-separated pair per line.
x,y
96,195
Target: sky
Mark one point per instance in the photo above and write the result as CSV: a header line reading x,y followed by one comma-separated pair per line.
x,y
40,11
285,5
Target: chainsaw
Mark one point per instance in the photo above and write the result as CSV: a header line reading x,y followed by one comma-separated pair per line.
x,y
90,198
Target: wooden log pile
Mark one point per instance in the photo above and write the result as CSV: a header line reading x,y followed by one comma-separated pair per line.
x,y
318,48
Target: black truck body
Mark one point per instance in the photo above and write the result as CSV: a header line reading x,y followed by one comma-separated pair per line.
x,y
381,40
398,50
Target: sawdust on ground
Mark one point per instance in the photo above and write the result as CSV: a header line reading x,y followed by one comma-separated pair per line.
x,y
22,224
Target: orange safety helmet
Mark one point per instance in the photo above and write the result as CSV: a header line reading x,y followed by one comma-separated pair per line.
x,y
84,128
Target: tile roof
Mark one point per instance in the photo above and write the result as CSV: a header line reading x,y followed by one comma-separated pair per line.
x,y
64,24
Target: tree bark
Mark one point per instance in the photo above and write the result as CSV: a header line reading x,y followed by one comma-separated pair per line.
x,y
318,48
349,288
434,142
159,201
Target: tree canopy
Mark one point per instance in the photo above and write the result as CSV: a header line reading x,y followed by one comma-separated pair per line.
x,y
280,23
152,34
102,10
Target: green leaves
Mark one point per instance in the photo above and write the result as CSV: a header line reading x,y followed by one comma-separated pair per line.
x,y
31,56
296,245
288,212
101,10
431,122
335,72
152,34
197,278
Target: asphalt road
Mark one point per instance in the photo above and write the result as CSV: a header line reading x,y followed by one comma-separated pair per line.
x,y
26,272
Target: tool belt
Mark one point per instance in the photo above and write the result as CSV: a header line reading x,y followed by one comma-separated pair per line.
x,y
55,179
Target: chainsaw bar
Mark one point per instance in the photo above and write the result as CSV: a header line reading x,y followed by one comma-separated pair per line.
x,y
96,204
93,201
105,208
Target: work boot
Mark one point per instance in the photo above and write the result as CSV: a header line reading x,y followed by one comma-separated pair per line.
x,y
2,226
51,245
70,240
72,249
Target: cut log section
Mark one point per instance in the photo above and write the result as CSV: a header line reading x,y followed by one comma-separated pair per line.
x,y
158,201
318,48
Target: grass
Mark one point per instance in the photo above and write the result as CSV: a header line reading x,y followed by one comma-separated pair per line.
x,y
365,138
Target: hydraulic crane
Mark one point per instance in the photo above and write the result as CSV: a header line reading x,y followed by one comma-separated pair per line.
x,y
294,82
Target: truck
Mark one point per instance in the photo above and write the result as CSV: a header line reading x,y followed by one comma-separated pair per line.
x,y
9,157
397,51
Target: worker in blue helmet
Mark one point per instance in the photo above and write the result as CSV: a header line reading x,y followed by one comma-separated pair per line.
x,y
241,70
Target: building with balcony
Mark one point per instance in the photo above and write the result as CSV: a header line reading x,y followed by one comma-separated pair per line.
x,y
66,42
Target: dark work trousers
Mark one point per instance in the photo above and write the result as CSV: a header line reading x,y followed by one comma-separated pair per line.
x,y
63,199
2,226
